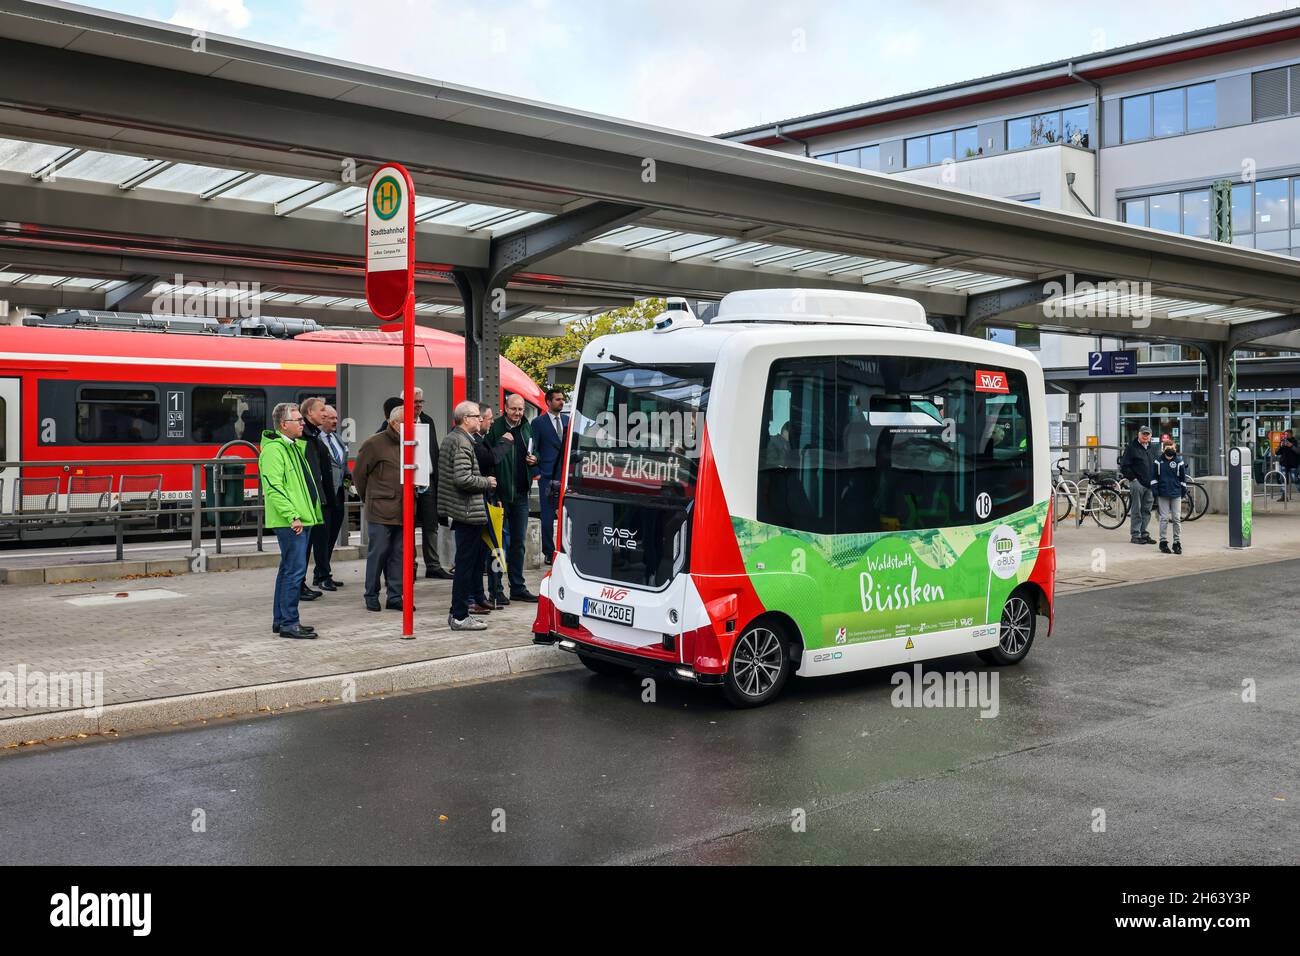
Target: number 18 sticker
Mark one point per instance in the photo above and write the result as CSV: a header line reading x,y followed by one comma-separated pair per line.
x,y
983,505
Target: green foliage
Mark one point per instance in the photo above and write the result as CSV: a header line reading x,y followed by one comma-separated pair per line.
x,y
533,354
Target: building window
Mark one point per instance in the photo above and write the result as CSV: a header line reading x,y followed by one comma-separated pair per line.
x,y
1135,118
1271,205
1135,212
1264,214
1243,215
1074,126
1167,113
869,157
1165,212
219,415
1201,111
1168,110
1196,213
1043,129
117,415
917,151
941,147
968,142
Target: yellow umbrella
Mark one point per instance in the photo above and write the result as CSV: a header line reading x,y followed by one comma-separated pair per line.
x,y
492,533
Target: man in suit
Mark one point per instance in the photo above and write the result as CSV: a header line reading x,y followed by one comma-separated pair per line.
x,y
334,466
313,414
550,428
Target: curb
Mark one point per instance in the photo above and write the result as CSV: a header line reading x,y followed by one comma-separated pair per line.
x,y
164,712
151,567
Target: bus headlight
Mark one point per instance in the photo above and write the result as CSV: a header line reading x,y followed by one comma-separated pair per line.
x,y
566,532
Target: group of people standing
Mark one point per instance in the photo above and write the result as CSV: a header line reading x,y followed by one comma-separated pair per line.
x,y
486,462
483,460
1157,479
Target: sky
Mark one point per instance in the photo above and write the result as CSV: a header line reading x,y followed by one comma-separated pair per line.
x,y
705,66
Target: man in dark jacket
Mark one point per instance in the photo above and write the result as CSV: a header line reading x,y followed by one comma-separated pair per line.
x,y
1138,465
549,427
460,495
488,460
313,416
378,480
514,482
334,466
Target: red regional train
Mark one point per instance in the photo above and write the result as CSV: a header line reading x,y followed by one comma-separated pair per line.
x,y
159,387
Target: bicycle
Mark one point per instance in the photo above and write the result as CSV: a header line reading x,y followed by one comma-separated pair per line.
x,y
1105,501
1196,500
1065,493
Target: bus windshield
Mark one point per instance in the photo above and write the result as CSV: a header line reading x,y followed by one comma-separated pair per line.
x,y
637,430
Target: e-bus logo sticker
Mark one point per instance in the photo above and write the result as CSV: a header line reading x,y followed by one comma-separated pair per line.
x,y
986,381
386,198
1004,552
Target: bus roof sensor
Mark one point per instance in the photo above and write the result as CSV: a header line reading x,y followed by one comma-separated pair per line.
x,y
820,306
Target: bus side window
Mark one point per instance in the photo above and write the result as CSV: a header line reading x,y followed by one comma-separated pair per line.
x,y
798,446
1004,452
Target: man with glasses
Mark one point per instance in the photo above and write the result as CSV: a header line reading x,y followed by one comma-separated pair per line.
x,y
460,493
292,501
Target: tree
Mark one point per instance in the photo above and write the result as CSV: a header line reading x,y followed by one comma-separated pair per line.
x,y
534,353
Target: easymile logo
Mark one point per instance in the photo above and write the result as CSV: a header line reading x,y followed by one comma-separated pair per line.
x,y
74,909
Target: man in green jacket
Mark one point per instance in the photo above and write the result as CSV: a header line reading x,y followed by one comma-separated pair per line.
x,y
293,508
515,475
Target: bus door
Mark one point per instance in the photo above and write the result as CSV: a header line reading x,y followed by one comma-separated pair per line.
x,y
10,433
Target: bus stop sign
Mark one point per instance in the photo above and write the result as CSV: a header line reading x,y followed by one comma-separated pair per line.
x,y
390,240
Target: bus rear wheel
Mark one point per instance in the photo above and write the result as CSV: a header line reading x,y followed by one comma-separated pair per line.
x,y
1016,631
760,666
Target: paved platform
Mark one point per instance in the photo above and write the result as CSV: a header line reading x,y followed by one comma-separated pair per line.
x,y
196,634
1088,556
207,632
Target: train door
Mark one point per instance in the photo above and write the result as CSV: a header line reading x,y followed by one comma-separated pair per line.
x,y
10,435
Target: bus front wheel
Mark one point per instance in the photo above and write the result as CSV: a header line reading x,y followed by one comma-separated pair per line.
x,y
760,666
1016,630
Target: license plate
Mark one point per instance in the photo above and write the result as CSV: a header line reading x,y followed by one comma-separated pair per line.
x,y
607,611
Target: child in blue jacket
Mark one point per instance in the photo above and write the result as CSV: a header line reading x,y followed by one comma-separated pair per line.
x,y
1169,485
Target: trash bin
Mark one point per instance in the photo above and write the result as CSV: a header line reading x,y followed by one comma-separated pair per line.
x,y
232,493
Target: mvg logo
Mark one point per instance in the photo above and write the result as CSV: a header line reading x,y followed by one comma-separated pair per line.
x,y
613,594
986,381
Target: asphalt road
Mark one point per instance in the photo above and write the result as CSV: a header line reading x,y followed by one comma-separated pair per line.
x,y
1133,707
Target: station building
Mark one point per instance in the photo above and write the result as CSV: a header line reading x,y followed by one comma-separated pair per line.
x,y
1140,134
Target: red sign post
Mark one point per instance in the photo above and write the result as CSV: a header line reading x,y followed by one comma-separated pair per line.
x,y
390,292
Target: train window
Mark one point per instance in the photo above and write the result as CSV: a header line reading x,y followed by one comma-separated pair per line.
x,y
117,415
219,415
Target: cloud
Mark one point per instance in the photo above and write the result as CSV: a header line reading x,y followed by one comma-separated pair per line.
x,y
219,16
